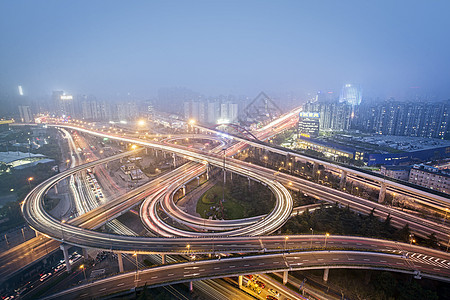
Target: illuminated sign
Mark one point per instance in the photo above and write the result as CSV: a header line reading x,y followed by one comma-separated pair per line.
x,y
66,97
305,114
305,135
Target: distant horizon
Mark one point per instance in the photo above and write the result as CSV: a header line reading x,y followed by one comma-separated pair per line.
x,y
109,49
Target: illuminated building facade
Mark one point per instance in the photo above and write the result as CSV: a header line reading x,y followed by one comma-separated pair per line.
x,y
308,124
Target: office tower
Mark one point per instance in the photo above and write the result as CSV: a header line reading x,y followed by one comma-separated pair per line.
x,y
351,94
25,114
308,124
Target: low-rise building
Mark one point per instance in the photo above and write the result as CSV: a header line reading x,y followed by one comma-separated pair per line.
x,y
396,172
430,177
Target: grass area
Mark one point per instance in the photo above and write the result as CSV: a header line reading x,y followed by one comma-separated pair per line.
x,y
209,205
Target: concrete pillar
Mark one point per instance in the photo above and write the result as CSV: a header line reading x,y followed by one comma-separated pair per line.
x,y
285,277
224,176
65,250
325,274
382,193
85,253
240,282
198,180
146,150
343,179
184,190
163,259
315,169
56,189
120,261
191,286
207,172
174,160
231,176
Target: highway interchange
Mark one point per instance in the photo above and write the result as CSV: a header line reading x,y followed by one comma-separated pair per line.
x,y
71,234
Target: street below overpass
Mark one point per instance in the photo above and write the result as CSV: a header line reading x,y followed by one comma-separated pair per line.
x,y
185,272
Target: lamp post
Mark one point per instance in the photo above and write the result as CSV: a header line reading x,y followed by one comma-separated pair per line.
x,y
290,168
136,278
445,218
84,271
285,241
29,179
326,236
312,233
411,239
224,175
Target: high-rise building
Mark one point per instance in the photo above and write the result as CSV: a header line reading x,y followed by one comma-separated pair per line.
x,y
407,119
351,94
334,115
308,124
25,114
63,105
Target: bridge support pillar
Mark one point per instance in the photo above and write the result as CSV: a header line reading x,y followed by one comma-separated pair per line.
x,y
231,176
382,193
191,286
120,261
198,181
163,259
240,282
85,253
56,189
343,179
174,160
224,176
184,190
65,250
325,274
285,277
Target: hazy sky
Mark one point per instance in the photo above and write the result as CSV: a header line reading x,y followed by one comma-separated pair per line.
x,y
223,47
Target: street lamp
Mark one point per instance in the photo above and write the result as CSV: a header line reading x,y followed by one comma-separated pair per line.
x,y
326,236
290,167
133,147
285,241
312,233
411,239
445,218
224,174
188,247
137,274
29,180
84,271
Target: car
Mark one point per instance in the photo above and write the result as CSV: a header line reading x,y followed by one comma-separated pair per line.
x,y
270,297
273,292
45,276
261,284
59,267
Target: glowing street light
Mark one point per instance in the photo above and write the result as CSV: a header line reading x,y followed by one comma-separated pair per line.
x,y
29,181
133,147
285,241
141,123
326,236
84,271
137,274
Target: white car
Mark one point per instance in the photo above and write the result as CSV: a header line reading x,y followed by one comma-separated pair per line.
x,y
59,267
45,276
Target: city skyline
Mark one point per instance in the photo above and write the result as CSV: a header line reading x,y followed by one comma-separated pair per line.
x,y
390,49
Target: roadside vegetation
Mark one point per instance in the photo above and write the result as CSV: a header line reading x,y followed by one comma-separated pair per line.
x,y
241,200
